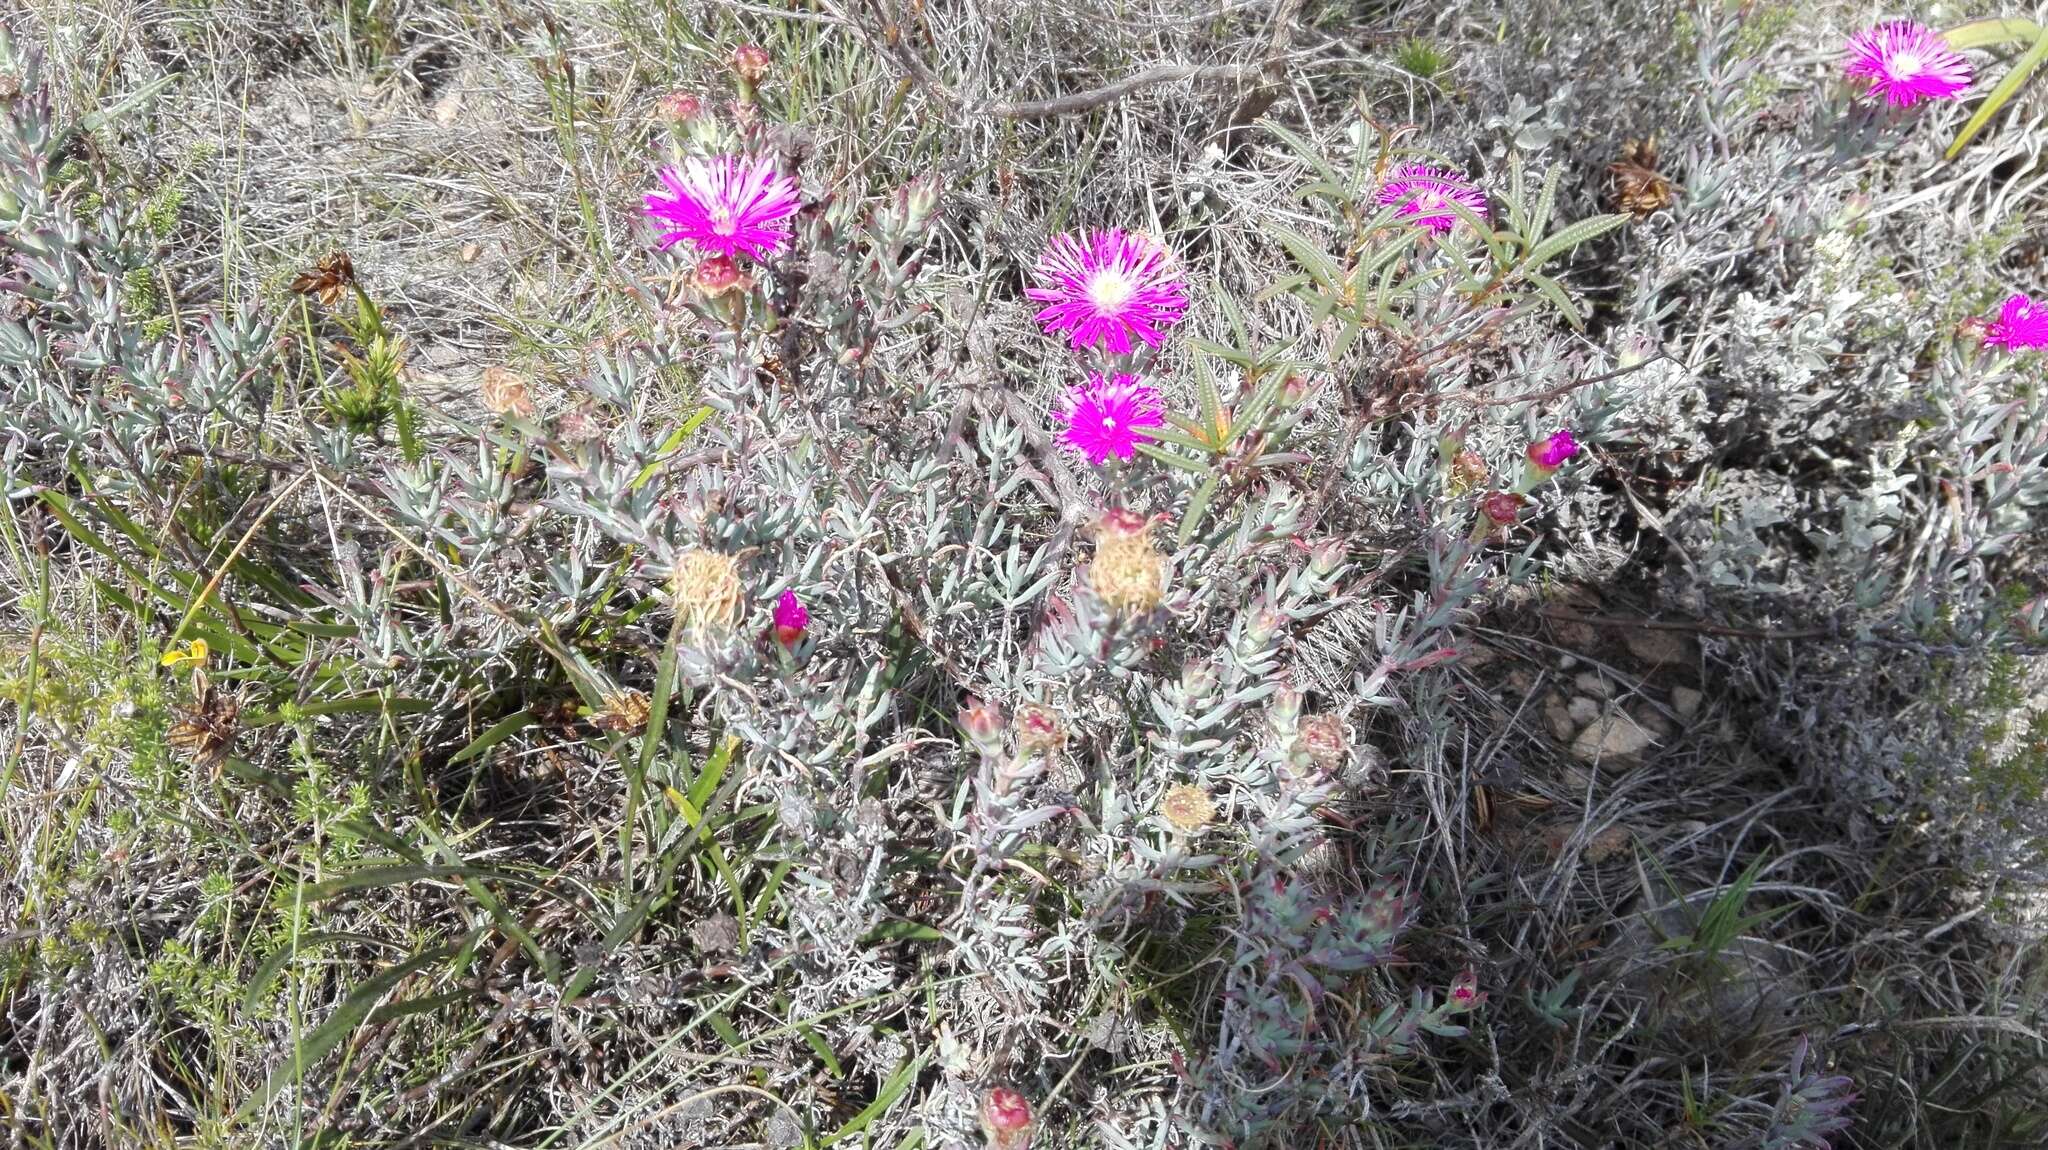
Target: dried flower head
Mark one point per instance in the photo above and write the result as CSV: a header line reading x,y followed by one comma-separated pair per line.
x,y
681,106
1423,193
624,713
1038,728
750,63
1325,740
1109,416
1187,808
727,205
1639,188
328,280
1502,508
1006,1119
1108,287
504,392
206,730
1907,62
791,618
1128,574
2021,324
706,591
579,426
1464,993
1468,470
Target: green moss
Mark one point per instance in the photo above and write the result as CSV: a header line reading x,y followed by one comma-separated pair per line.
x,y
1762,28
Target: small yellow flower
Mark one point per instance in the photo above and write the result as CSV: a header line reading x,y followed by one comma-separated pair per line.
x,y
194,653
1188,808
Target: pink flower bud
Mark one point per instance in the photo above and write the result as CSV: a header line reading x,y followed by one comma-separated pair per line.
x,y
983,723
1006,1119
790,619
1325,557
1550,454
716,275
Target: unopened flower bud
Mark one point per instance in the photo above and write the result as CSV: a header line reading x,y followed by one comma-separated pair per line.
x,y
1006,1119
1266,622
1326,557
983,723
791,618
1546,456
716,275
916,203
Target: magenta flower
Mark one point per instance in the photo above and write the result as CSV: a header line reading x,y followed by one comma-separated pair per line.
x,y
2021,324
1106,417
1108,287
1551,453
1907,62
790,619
726,205
1423,191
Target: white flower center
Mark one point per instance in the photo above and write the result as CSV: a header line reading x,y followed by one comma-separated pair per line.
x,y
1905,66
1110,290
722,222
1427,200
1109,421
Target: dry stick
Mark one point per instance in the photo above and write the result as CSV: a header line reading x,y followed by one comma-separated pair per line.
x,y
1108,93
1279,37
1686,625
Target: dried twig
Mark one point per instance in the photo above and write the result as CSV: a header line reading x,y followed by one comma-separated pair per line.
x,y
1109,93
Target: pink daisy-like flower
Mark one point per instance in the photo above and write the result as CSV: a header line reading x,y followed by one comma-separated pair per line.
x,y
1422,192
790,619
2021,324
1106,417
726,205
1907,62
1107,287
